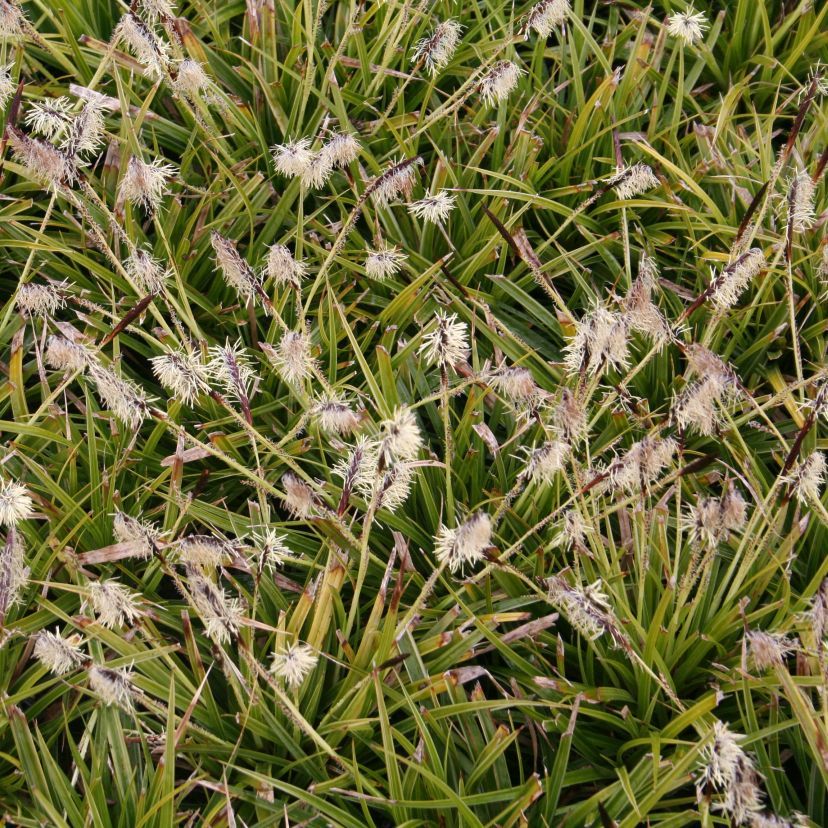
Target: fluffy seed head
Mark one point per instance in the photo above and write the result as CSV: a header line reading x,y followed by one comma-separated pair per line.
x,y
820,401
64,355
641,466
397,181
340,149
335,416
704,363
734,510
730,770
293,158
155,9
236,271
49,117
293,664
147,273
113,603
437,50
642,313
819,77
315,168
447,344
14,574
587,609
271,548
688,26
387,487
86,131
769,820
817,615
12,20
822,267
392,487
546,461
704,522
142,41
697,407
283,268
191,80
15,503
57,654
647,272
182,374
123,398
204,551
229,366
807,477
546,16
39,299
570,419
647,319
573,529
499,82
766,651
401,438
711,520
318,171
293,357
465,545
7,85
433,208
43,162
141,534
629,182
112,687
726,287
800,201
298,498
221,616
515,383
146,184
360,469
600,343
384,262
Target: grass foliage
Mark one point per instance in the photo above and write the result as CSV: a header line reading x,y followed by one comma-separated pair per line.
x,y
659,581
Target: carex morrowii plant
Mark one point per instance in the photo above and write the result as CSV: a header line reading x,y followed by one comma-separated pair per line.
x,y
413,413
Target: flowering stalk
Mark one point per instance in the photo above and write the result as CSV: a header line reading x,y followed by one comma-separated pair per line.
x,y
14,574
386,187
448,440
819,406
764,194
800,217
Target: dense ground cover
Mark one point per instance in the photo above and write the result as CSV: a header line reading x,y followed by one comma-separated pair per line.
x,y
411,413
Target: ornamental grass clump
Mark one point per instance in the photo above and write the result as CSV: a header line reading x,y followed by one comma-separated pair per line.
x,y
413,414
